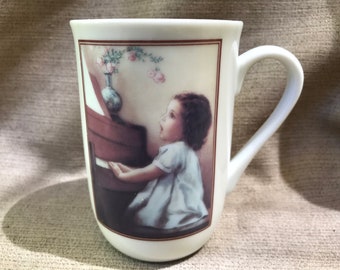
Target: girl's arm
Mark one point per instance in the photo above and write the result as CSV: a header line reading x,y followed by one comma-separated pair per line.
x,y
145,174
124,168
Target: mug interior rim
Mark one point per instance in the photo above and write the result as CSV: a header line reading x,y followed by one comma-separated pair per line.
x,y
149,21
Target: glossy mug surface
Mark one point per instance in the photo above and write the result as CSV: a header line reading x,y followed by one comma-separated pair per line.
x,y
157,100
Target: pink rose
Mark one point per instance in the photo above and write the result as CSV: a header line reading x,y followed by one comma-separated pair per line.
x,y
110,67
156,75
132,56
159,77
100,61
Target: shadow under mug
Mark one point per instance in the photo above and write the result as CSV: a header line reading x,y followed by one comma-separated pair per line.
x,y
157,101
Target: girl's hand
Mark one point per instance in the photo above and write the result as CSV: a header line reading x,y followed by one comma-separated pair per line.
x,y
124,173
115,169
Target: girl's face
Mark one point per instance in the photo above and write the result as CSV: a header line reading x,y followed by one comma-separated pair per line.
x,y
171,123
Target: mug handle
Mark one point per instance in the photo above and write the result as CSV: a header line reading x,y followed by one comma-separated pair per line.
x,y
288,100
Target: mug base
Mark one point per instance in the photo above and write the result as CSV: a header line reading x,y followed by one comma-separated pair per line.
x,y
157,250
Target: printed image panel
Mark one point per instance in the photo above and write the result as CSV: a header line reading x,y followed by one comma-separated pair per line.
x,y
151,123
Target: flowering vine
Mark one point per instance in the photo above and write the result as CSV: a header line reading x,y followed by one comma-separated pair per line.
x,y
110,60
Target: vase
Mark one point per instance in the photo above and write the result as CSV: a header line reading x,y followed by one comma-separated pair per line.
x,y
112,99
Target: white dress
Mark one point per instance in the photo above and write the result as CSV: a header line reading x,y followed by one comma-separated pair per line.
x,y
174,200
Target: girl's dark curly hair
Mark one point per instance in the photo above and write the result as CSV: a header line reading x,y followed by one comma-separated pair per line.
x,y
196,115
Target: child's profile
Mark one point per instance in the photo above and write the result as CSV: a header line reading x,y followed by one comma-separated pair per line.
x,y
173,195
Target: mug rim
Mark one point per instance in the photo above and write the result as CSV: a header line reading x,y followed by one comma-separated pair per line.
x,y
150,21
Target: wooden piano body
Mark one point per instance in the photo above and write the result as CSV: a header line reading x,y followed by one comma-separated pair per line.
x,y
119,142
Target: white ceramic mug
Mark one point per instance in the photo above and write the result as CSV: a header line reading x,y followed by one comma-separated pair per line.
x,y
157,100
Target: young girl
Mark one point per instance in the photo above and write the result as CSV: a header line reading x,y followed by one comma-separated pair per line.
x,y
173,196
